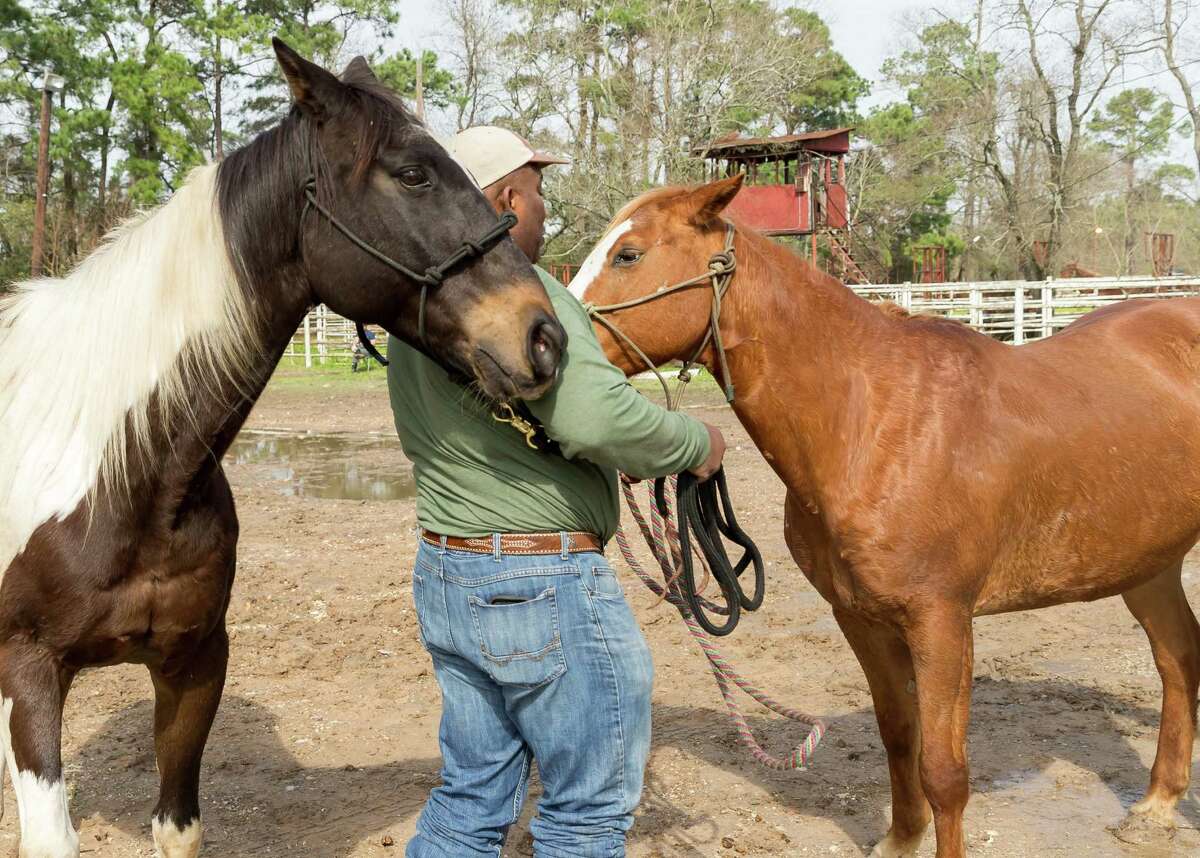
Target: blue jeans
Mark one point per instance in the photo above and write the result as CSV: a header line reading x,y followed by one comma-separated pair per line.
x,y
539,658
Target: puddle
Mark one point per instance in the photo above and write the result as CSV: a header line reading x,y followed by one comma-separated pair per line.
x,y
346,467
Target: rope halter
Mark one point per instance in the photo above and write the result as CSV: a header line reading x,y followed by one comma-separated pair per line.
x,y
433,276
721,267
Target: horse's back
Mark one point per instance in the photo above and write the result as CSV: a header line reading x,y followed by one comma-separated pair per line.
x,y
1138,349
1138,325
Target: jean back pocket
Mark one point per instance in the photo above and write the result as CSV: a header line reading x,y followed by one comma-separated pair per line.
x,y
519,640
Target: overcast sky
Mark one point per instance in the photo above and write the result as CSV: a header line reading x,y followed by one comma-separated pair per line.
x,y
866,32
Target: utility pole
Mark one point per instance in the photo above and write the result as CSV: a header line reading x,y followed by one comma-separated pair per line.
x,y
50,83
218,81
420,84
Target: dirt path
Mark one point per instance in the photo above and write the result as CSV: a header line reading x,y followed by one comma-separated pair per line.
x,y
325,745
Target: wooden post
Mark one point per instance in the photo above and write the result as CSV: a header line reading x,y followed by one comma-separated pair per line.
x,y
906,295
976,309
43,187
1019,314
321,346
308,340
1047,308
421,84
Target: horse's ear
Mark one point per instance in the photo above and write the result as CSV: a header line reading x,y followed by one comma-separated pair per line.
x,y
359,72
708,201
313,88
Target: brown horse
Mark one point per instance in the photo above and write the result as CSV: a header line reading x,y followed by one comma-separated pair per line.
x,y
117,526
935,474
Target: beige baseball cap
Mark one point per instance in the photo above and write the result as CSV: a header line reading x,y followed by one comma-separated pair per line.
x,y
489,153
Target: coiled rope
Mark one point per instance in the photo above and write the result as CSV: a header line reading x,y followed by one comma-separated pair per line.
x,y
706,513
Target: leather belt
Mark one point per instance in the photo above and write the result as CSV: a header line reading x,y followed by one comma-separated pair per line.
x,y
518,543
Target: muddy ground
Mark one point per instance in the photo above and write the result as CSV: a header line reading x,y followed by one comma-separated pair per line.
x,y
326,746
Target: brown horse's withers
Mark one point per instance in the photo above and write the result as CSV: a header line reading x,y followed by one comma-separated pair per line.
x,y
935,474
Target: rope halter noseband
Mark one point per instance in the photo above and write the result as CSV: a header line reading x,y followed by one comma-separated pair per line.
x,y
432,277
721,268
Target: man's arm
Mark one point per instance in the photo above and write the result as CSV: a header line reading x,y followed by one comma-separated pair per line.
x,y
595,414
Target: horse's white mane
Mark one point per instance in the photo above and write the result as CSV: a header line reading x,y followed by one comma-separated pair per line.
x,y
156,309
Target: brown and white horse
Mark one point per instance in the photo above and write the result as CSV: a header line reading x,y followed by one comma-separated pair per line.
x,y
117,526
935,474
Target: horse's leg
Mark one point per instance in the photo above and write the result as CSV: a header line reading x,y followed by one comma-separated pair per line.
x,y
886,661
185,702
942,647
1161,607
34,685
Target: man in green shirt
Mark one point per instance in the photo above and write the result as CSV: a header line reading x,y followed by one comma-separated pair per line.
x,y
535,649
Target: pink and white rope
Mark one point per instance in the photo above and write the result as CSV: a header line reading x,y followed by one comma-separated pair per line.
x,y
663,539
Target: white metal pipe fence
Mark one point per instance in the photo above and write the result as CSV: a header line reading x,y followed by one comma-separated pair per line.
x,y
325,338
1012,310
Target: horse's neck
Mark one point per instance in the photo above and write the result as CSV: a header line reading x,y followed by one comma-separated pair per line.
x,y
260,240
281,311
276,298
804,343
185,454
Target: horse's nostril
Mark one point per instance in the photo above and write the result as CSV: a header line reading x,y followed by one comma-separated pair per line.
x,y
546,339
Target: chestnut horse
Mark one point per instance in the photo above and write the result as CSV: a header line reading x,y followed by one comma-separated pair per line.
x,y
117,526
935,474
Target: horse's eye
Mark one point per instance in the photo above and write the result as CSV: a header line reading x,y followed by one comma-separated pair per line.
x,y
627,256
412,177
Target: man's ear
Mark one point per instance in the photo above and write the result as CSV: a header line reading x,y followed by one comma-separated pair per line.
x,y
359,71
314,90
706,203
503,201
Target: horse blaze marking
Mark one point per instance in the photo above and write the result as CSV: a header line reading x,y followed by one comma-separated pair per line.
x,y
596,259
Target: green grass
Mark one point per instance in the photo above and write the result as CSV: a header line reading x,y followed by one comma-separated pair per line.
x,y
291,374
701,382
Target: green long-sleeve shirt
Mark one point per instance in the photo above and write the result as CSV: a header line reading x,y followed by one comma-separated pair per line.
x,y
477,476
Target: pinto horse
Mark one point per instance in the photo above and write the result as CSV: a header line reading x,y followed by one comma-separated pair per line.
x,y
117,526
935,474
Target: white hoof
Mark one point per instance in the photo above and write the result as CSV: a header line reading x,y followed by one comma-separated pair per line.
x,y
1160,811
1150,822
40,848
893,847
171,842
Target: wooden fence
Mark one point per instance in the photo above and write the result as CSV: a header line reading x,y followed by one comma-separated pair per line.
x,y
1021,310
1012,310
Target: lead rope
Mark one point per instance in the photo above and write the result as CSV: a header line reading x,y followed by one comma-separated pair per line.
x,y
662,537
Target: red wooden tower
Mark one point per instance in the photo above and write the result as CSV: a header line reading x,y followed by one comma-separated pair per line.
x,y
795,185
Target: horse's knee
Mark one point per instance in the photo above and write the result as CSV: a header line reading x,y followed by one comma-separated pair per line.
x,y
901,737
945,781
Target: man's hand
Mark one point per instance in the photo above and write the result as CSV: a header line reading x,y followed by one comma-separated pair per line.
x,y
716,452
